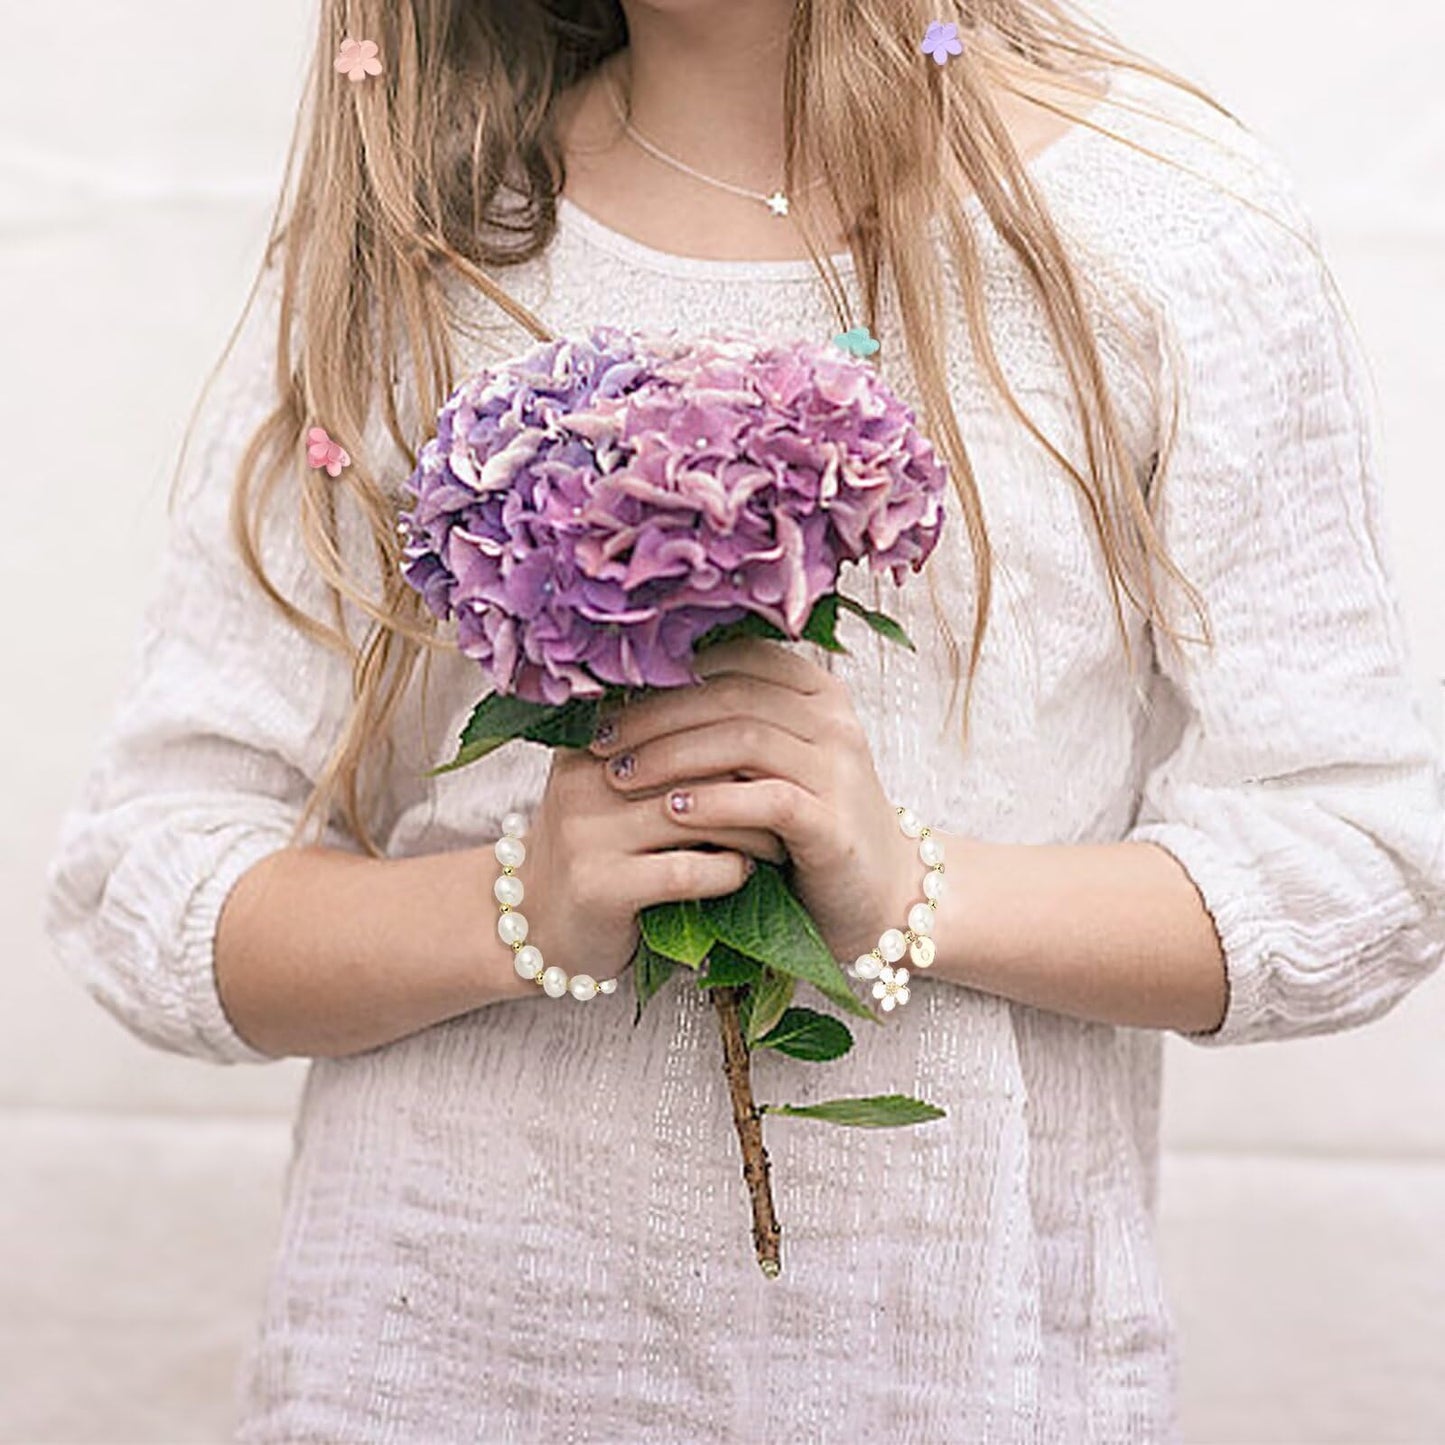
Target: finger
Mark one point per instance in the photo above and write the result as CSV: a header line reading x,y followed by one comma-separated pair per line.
x,y
767,660
628,825
681,873
735,745
798,817
655,828
729,695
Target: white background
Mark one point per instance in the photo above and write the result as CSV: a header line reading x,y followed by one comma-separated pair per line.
x,y
1303,1209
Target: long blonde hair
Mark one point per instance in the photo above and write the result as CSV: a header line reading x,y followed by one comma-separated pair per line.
x,y
397,187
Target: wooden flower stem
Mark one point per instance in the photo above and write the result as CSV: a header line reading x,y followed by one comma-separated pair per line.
x,y
748,1119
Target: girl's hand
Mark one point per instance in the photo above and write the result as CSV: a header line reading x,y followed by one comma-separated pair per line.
x,y
769,740
596,858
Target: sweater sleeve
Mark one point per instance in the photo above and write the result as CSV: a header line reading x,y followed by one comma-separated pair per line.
x,y
222,726
1305,795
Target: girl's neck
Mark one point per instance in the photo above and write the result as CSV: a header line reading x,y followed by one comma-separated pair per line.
x,y
707,83
715,102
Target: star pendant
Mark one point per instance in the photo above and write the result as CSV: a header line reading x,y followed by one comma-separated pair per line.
x,y
778,203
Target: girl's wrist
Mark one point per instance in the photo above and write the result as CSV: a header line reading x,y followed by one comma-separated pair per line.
x,y
462,949
488,959
903,889
908,944
897,890
532,969
954,956
494,959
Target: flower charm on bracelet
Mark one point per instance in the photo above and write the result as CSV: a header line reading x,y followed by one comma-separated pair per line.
x,y
892,986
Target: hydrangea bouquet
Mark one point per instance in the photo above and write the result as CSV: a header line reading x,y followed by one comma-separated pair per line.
x,y
595,512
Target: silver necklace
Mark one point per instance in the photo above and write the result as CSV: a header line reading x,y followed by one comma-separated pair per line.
x,y
778,202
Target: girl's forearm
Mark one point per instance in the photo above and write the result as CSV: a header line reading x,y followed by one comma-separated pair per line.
x,y
1110,932
322,952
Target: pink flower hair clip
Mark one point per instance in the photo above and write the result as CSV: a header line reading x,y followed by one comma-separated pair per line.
x,y
358,58
321,451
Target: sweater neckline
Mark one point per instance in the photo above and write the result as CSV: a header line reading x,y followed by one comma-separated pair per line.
x,y
574,222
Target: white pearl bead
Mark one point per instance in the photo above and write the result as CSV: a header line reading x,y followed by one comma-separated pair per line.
x,y
514,825
922,951
608,985
554,981
528,961
920,918
511,852
583,986
512,928
910,823
508,889
867,966
933,885
930,850
892,945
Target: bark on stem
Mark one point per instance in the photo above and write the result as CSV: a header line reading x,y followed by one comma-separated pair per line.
x,y
738,1068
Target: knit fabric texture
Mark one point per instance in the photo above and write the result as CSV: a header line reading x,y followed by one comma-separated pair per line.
x,y
528,1223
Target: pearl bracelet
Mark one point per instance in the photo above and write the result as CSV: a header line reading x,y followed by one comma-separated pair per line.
x,y
512,926
891,986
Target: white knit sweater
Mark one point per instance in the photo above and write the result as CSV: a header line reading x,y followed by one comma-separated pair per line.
x,y
528,1223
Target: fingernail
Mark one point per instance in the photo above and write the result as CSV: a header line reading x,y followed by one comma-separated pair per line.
x,y
752,865
605,731
623,766
680,802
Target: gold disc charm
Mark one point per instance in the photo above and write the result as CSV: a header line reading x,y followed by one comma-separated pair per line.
x,y
922,951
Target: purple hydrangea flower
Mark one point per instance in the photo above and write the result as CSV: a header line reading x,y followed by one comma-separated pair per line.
x,y
589,509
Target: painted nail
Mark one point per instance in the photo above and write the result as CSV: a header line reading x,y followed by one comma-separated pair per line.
x,y
623,766
605,731
680,802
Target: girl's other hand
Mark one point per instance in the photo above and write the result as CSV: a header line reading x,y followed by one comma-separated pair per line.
x,y
770,741
597,856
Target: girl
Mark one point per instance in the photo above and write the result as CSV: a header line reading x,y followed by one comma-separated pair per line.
x,y
1187,789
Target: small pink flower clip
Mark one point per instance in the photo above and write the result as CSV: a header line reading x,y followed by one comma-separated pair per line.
x,y
358,58
321,451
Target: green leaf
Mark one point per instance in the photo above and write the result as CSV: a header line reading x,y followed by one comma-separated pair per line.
x,y
769,997
501,715
650,972
499,718
750,625
878,1111
880,622
569,725
821,628
468,754
728,969
803,1034
679,931
764,920
822,624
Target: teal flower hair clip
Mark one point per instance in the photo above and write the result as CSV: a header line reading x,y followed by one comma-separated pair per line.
x,y
859,341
